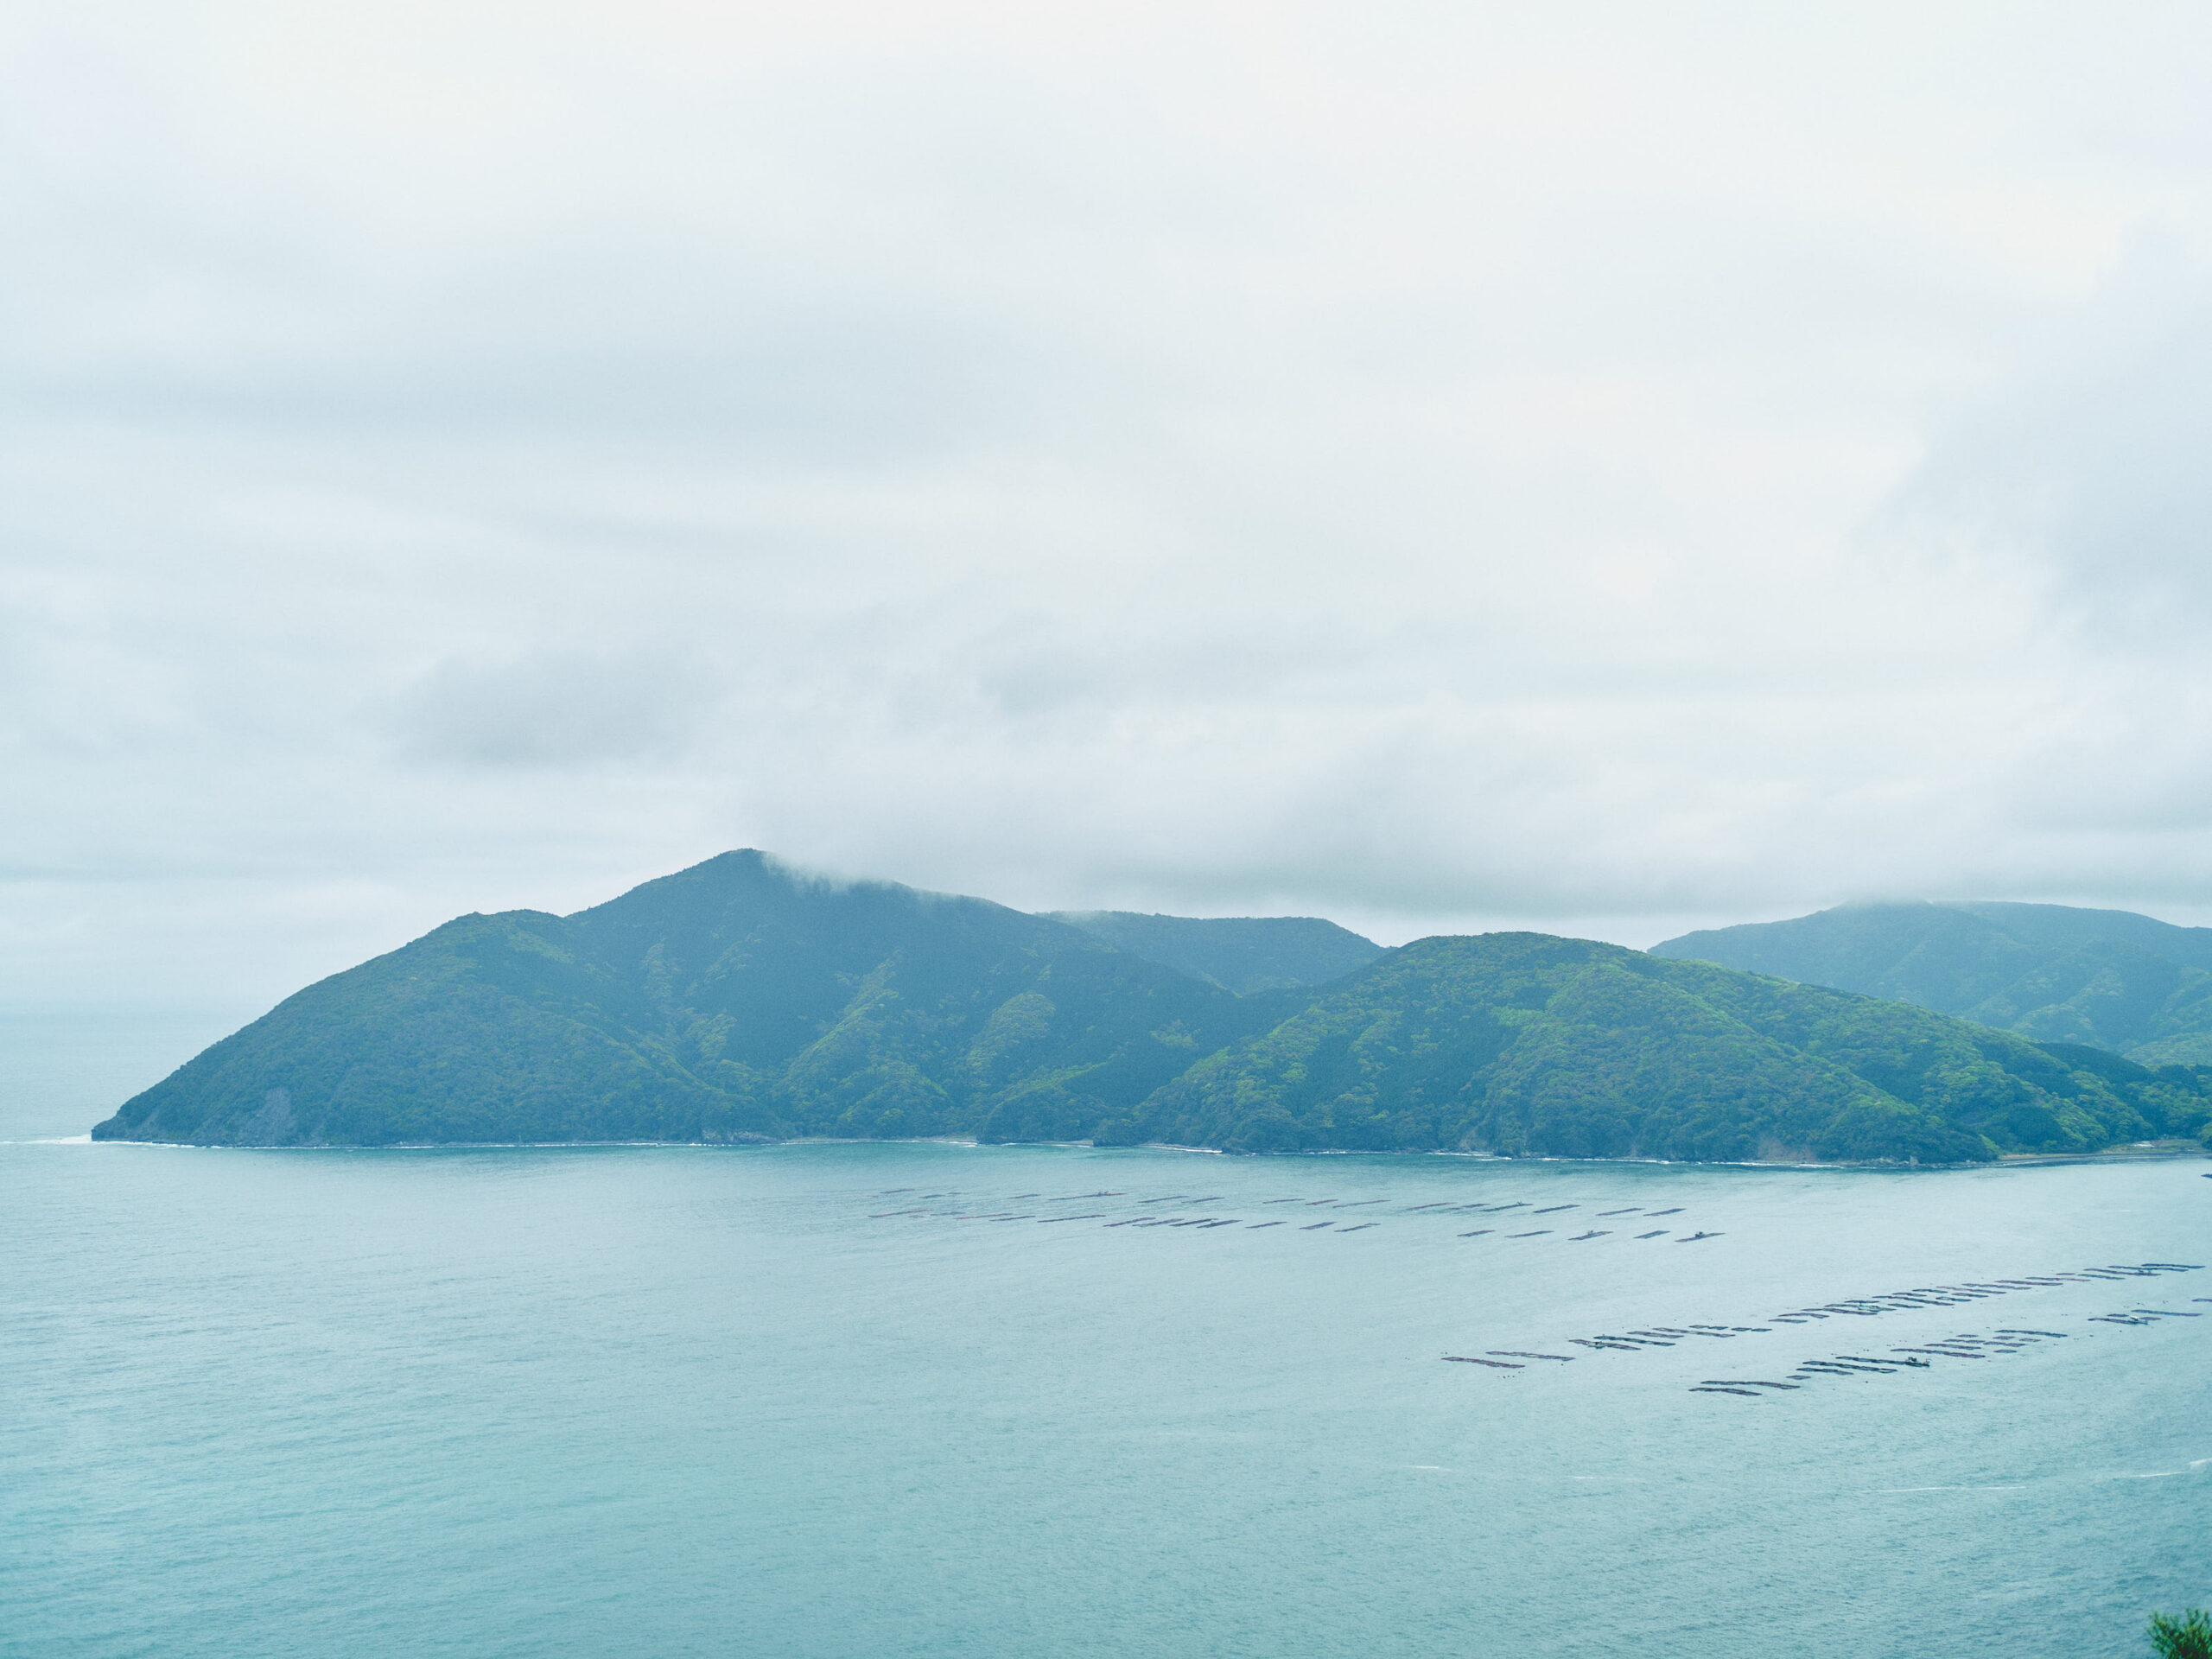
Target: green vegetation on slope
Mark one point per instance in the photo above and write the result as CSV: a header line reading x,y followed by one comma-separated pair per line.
x,y
1241,954
2186,1635
731,1000
735,1000
2107,978
1524,1043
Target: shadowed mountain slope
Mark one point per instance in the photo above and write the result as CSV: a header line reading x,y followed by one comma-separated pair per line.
x,y
740,1001
1241,954
2104,978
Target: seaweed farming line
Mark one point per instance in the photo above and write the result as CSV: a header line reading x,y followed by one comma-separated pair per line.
x,y
1208,1220
1910,1356
1919,1357
1670,1336
1927,1296
916,1204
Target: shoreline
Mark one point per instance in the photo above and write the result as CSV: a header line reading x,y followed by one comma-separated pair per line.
x,y
2151,1152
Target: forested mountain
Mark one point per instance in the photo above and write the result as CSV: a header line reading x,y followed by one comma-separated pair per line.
x,y
1521,1043
2105,978
740,1001
1240,954
734,1000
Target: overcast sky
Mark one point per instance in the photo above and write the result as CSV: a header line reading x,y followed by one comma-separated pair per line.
x,y
1605,469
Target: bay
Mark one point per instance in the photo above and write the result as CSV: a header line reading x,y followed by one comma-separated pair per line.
x,y
936,1400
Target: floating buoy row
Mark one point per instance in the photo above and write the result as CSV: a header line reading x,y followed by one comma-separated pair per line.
x,y
2144,1315
1664,1336
1202,1222
1905,1356
1925,1296
1914,1356
951,1205
913,1197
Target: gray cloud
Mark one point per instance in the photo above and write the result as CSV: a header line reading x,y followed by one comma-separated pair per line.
x,y
549,709
1575,470
2091,463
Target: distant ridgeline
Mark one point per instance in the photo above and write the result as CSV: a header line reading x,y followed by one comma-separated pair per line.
x,y
2108,979
739,1000
1241,954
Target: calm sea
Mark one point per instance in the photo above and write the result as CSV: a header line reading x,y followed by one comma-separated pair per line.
x,y
927,1399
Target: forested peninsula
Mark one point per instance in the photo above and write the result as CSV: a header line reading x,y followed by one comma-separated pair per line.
x,y
739,1000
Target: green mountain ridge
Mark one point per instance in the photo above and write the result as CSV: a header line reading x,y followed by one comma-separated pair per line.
x,y
1527,1044
2100,978
731,1000
740,1001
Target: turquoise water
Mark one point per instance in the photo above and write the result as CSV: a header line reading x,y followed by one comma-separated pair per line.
x,y
646,1400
